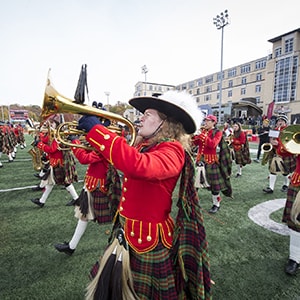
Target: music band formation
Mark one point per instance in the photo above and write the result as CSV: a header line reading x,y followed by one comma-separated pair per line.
x,y
129,182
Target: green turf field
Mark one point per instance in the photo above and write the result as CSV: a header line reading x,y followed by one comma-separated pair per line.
x,y
247,261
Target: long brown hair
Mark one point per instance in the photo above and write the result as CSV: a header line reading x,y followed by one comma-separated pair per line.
x,y
173,130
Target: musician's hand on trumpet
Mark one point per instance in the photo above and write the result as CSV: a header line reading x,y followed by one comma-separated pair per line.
x,y
87,122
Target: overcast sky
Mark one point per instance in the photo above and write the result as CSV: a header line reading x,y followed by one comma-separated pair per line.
x,y
175,39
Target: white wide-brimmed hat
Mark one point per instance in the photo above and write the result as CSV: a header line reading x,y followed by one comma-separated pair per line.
x,y
181,106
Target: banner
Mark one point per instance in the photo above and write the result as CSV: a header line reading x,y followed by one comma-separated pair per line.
x,y
270,110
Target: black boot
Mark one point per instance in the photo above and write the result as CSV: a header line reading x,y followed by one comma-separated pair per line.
x,y
214,209
37,188
71,203
291,267
64,248
37,202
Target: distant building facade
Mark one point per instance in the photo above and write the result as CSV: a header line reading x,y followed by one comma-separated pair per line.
x,y
267,85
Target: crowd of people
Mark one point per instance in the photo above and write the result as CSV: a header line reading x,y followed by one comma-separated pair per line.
x,y
11,137
161,257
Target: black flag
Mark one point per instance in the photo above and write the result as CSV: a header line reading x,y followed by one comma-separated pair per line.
x,y
81,86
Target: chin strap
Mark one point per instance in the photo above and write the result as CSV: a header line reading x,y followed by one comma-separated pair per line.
x,y
155,132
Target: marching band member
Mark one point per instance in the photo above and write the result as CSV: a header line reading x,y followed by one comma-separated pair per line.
x,y
98,200
279,163
148,245
291,214
240,147
62,167
217,165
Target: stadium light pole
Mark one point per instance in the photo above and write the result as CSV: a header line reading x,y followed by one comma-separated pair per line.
x,y
145,71
107,97
221,21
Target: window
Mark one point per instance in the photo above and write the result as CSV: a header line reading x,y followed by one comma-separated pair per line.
x,y
258,77
260,64
243,91
208,89
199,82
198,91
244,80
245,68
229,94
277,51
257,100
285,80
209,79
289,45
230,83
191,84
232,72
258,88
207,97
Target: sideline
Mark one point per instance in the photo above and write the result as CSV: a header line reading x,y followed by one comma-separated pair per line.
x,y
25,187
260,214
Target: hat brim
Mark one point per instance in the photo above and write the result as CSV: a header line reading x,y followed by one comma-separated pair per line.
x,y
167,108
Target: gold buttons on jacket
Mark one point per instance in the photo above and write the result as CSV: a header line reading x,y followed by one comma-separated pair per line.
x,y
149,238
139,241
106,136
125,189
121,208
123,198
102,147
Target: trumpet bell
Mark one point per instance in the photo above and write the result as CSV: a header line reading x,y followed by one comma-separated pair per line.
x,y
55,103
290,138
266,147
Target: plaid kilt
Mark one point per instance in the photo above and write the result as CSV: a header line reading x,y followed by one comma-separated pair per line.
x,y
59,175
214,177
291,196
102,211
242,157
153,274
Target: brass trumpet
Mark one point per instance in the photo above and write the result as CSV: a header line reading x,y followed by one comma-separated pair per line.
x,y
290,138
55,103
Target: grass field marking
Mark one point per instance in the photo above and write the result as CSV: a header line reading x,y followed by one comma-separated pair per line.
x,y
24,187
260,214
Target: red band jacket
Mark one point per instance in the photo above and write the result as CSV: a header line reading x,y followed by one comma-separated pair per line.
x,y
95,175
239,141
149,180
55,155
207,143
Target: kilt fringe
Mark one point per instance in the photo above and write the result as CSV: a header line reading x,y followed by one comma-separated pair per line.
x,y
114,279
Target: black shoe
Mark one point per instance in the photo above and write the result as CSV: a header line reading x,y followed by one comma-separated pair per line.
x,y
37,188
71,203
284,188
268,190
37,202
214,209
64,248
37,175
256,160
291,267
238,175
